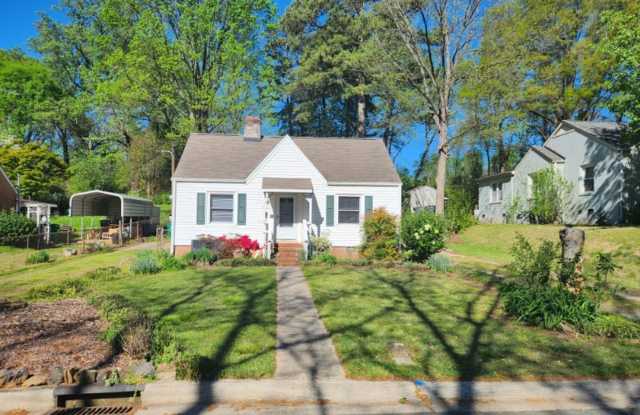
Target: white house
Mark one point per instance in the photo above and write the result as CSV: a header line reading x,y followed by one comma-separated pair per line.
x,y
589,157
280,189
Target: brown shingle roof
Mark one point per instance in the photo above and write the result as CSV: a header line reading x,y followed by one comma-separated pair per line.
x,y
344,160
221,157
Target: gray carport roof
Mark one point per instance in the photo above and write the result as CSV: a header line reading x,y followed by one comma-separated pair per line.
x,y
113,205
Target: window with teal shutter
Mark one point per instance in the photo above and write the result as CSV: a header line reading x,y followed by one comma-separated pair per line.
x,y
242,208
330,214
200,209
368,205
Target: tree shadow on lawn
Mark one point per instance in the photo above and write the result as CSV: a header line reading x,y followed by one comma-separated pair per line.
x,y
481,347
470,360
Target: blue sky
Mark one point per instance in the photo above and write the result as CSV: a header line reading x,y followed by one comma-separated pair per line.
x,y
17,26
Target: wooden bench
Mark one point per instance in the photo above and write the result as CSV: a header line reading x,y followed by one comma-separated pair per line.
x,y
62,394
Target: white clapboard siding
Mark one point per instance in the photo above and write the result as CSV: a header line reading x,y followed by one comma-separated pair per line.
x,y
285,161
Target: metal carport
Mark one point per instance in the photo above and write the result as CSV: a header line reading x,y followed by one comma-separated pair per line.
x,y
112,205
119,208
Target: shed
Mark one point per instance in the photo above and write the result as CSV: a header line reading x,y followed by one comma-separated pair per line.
x,y
115,206
422,198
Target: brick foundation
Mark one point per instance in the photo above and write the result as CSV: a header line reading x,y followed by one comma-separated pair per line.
x,y
346,252
181,250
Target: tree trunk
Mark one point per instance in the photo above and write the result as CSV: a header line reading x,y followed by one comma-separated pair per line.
x,y
64,141
361,131
441,174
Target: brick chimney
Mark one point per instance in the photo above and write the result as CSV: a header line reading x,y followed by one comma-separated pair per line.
x,y
252,128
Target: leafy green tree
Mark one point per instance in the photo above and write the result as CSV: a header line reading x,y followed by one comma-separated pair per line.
x,y
540,64
34,106
108,172
41,172
159,67
549,196
621,44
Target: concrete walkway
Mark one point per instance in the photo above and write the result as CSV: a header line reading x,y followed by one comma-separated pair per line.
x,y
305,350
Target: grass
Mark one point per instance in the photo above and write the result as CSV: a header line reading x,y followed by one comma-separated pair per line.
x,y
488,246
226,316
453,327
17,282
223,316
89,222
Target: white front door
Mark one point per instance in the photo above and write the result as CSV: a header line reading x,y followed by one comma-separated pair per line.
x,y
286,220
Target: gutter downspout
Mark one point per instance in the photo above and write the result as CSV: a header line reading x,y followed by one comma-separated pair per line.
x,y
173,216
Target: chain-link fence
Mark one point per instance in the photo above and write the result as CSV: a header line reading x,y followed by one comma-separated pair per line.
x,y
114,235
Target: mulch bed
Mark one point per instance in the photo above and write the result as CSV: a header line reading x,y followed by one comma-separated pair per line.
x,y
43,335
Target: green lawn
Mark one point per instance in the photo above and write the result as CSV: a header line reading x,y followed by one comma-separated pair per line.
x,y
16,282
225,316
88,222
453,327
489,246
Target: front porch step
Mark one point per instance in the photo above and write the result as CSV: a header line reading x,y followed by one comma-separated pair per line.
x,y
288,254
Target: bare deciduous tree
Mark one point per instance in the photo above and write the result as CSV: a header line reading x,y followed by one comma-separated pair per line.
x,y
437,34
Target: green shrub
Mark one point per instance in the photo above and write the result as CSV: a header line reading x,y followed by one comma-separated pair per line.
x,y
38,257
532,266
613,325
319,244
422,234
120,314
146,262
245,262
201,256
13,227
549,306
69,288
104,274
459,220
165,345
440,263
380,235
169,262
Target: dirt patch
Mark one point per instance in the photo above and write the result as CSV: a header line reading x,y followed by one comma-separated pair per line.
x,y
43,335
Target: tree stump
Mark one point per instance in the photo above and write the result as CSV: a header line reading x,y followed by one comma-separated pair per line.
x,y
572,241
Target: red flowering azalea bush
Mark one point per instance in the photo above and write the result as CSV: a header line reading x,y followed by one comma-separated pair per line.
x,y
232,246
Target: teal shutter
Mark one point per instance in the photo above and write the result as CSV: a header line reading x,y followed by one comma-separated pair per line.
x,y
330,214
200,211
242,208
368,205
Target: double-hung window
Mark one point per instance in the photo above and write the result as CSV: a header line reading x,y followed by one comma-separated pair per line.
x,y
496,192
588,179
221,208
348,209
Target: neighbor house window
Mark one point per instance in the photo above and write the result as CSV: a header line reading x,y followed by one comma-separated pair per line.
x,y
588,179
348,209
529,187
222,208
496,192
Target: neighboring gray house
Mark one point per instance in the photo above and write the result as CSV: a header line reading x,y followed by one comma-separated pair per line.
x,y
586,154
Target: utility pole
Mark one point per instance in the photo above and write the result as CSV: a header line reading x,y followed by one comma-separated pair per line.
x,y
172,152
18,195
